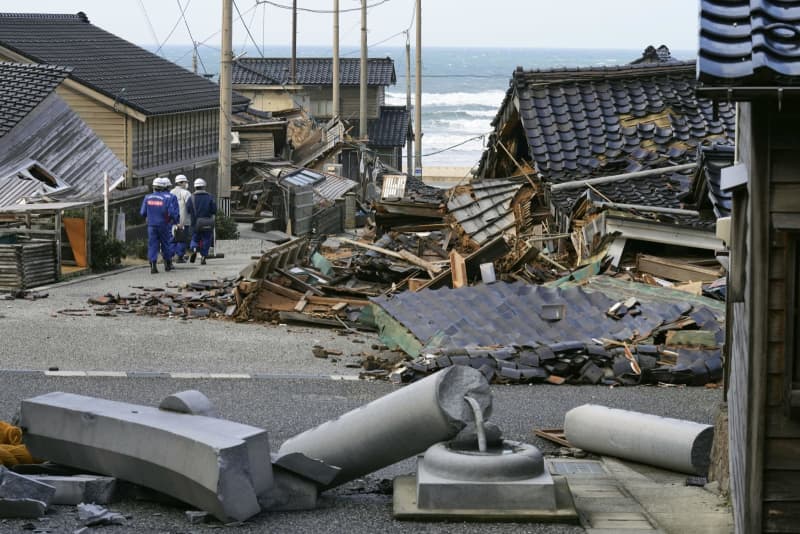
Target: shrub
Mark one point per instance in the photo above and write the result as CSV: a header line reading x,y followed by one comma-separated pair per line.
x,y
226,227
136,249
107,252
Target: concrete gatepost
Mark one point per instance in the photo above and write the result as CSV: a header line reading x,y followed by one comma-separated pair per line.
x,y
674,444
396,426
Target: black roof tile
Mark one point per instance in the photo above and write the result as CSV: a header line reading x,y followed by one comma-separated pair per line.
x,y
390,129
312,71
23,87
108,64
749,42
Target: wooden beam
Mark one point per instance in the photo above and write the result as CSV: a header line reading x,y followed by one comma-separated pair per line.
x,y
679,271
402,255
458,269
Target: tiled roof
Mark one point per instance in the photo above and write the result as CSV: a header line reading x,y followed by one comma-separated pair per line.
x,y
55,139
513,314
23,87
707,189
749,42
652,54
610,120
390,129
483,209
109,64
311,71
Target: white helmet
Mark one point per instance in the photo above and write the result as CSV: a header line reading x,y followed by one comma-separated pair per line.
x,y
199,182
166,182
181,179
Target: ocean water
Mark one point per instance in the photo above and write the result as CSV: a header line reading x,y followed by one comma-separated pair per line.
x,y
462,88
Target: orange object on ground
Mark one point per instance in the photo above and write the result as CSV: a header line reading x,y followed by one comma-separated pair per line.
x,y
76,234
10,434
11,455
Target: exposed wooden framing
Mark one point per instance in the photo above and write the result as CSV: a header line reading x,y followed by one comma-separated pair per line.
x,y
402,254
675,270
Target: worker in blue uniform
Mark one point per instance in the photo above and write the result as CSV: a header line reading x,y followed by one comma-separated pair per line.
x,y
161,210
202,207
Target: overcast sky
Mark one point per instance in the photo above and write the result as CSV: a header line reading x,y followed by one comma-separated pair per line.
x,y
628,24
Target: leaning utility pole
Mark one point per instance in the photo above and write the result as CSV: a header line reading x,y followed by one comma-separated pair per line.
x,y
362,108
224,168
293,66
335,97
418,95
410,133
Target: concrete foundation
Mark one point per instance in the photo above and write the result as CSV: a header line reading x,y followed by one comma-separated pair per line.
x,y
396,426
216,465
509,477
79,488
673,444
21,496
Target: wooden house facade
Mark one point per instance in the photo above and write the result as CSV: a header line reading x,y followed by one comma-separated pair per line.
x,y
158,118
763,391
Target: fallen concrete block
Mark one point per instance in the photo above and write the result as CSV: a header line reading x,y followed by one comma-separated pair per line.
x,y
190,401
21,496
76,489
395,426
93,515
290,492
215,465
673,444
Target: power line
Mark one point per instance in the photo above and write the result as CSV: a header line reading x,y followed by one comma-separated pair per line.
x,y
188,29
177,22
149,23
247,28
324,11
203,42
481,136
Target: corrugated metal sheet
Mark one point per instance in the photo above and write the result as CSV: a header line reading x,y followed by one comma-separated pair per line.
x,y
484,210
511,314
327,187
55,137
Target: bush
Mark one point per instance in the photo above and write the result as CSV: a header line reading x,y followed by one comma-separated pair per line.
x,y
107,252
226,227
136,249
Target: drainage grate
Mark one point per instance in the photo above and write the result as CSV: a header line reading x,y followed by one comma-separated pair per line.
x,y
577,467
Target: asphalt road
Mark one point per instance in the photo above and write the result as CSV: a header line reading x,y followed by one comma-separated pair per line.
x,y
295,394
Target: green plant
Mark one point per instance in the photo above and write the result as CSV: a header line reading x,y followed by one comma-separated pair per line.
x,y
226,227
136,249
107,252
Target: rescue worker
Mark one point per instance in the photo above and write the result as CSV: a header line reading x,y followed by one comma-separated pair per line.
x,y
181,233
202,207
160,209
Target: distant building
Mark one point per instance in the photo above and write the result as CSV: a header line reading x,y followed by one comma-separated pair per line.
x,y
156,117
266,81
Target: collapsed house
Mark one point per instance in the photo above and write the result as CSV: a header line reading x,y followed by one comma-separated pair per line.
x,y
613,152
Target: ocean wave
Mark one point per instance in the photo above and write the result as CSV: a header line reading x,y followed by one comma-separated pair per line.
x,y
432,142
487,99
452,114
467,126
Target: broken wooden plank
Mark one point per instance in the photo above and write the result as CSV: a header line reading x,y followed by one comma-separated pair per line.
x,y
556,435
402,255
313,299
339,306
303,301
295,317
458,269
680,271
305,286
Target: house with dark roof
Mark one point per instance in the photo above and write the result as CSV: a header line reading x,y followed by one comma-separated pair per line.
x,y
266,81
749,55
634,128
51,163
158,118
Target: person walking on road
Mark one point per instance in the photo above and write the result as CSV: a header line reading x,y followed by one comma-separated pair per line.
x,y
161,210
181,233
202,207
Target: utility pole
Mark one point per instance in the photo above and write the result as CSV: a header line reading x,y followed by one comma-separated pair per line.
x,y
224,168
293,66
418,95
335,96
362,108
410,133
194,59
